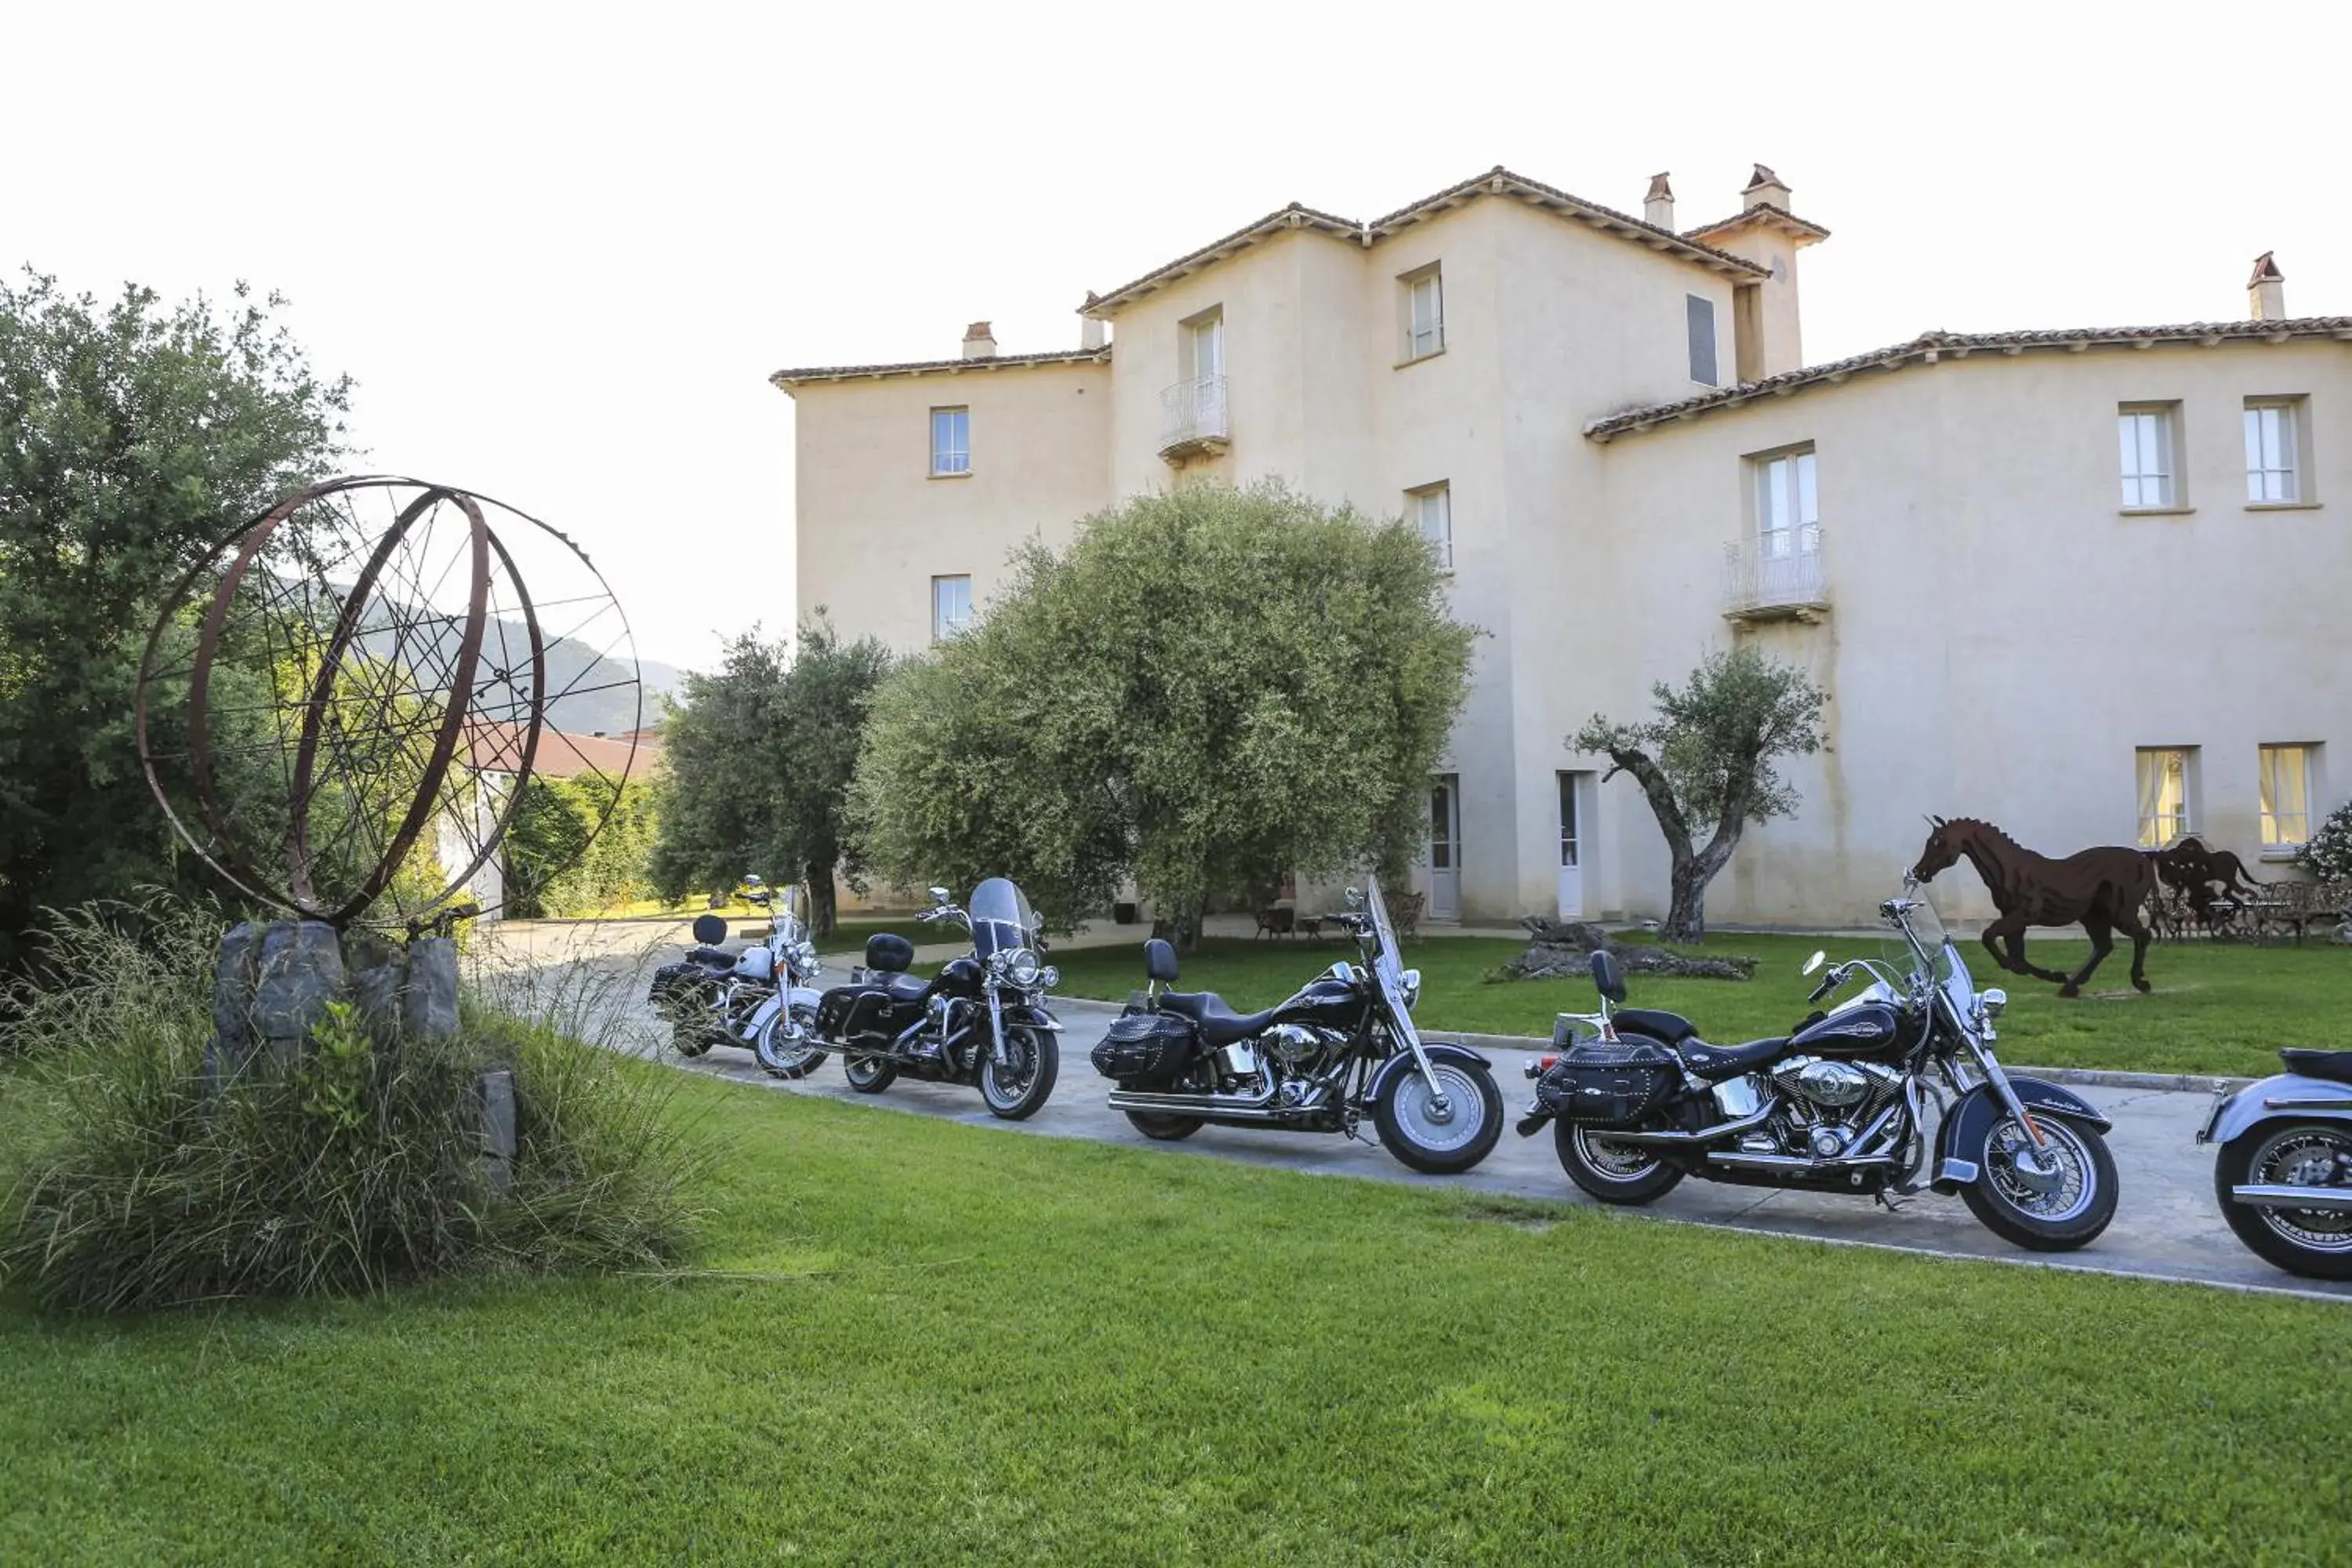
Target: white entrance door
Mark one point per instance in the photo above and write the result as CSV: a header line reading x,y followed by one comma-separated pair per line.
x,y
1573,815
1445,848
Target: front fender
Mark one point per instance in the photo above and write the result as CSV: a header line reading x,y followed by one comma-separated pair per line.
x,y
1397,1065
2283,1095
1031,1016
1976,1111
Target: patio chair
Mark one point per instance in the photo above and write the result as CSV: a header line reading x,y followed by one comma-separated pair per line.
x,y
1276,920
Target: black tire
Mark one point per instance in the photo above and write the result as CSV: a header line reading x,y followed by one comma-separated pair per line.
x,y
1022,1100
1441,1149
867,1073
1634,1177
786,1059
1165,1129
2008,1217
2325,1250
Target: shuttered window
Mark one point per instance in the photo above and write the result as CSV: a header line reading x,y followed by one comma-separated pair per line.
x,y
1701,315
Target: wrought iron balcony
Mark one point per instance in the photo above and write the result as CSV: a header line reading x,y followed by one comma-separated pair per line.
x,y
1776,577
1192,418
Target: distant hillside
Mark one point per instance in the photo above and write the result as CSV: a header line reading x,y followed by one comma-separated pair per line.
x,y
595,703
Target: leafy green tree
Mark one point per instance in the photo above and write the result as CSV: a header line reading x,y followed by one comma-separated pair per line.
x,y
578,846
132,438
1705,764
1206,688
756,767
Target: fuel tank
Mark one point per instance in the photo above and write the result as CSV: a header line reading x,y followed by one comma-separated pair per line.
x,y
1872,1029
1332,1004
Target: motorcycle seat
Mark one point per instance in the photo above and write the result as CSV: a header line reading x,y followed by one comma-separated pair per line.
x,y
1671,1028
1219,1024
904,987
2335,1067
711,957
1714,1063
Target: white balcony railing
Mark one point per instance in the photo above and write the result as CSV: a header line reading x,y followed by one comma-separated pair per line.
x,y
1192,417
1775,577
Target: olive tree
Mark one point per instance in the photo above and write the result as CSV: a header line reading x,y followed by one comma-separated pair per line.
x,y
1704,763
1206,689
756,765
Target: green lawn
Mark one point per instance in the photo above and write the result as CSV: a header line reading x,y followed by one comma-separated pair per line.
x,y
2216,1007
926,1344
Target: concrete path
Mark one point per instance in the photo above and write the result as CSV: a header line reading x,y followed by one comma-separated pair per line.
x,y
2167,1227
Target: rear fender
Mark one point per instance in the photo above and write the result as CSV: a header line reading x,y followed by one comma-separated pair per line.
x,y
1401,1064
2286,1095
1973,1118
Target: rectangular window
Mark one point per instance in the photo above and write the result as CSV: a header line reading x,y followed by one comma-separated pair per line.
x,y
2167,796
1700,314
2146,437
1431,509
2272,471
950,607
1787,509
1568,848
951,441
1424,313
2286,796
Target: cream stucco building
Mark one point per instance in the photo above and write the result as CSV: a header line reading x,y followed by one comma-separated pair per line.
x,y
2087,584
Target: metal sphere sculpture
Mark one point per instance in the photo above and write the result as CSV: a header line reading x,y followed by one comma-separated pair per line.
x,y
342,705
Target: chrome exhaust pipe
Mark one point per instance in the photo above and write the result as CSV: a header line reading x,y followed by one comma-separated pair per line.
x,y
2335,1200
1799,1161
1231,1106
1704,1135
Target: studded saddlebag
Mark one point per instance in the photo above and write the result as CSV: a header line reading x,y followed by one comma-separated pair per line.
x,y
1145,1050
1599,1084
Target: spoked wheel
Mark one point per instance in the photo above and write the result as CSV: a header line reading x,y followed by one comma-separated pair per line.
x,y
2313,1243
1164,1129
2053,1199
1014,1090
786,1049
1613,1172
868,1074
1442,1141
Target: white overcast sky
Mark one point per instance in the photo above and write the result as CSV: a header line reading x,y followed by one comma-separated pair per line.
x,y
561,247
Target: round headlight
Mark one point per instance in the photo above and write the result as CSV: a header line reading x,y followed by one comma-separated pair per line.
x,y
1049,977
1021,965
1411,987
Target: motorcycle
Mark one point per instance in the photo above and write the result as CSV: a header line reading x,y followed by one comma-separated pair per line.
x,y
2284,1174
982,1020
1837,1106
761,998
1342,1047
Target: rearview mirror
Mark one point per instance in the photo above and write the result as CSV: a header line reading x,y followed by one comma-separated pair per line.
x,y
939,895
1607,978
1815,961
1355,897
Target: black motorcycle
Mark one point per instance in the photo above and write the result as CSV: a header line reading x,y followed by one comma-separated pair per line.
x,y
1345,1046
1838,1106
981,1020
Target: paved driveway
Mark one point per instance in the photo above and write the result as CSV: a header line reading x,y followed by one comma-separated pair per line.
x,y
2167,1227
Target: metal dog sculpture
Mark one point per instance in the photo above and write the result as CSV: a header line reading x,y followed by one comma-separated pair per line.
x,y
2100,889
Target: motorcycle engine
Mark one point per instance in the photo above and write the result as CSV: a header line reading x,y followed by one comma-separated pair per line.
x,y
1301,1047
1828,1104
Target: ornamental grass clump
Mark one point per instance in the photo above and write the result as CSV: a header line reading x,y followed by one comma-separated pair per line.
x,y
141,1175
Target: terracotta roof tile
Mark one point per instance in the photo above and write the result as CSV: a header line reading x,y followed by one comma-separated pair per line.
x,y
785,379
1931,347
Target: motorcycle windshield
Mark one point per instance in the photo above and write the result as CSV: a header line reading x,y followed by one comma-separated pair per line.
x,y
1929,949
1001,919
791,911
1388,969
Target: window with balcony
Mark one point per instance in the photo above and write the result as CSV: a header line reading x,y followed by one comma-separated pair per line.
x,y
1787,509
2147,434
1431,509
2274,451
2287,784
1776,572
1423,313
950,607
2167,793
1192,416
1700,315
951,442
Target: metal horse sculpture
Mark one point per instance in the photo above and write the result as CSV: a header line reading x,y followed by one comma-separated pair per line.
x,y
2101,889
2197,872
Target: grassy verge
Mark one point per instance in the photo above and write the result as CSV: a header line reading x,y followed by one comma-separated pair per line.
x,y
921,1341
2216,1007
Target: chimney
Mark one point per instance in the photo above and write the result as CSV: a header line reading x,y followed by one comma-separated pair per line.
x,y
979,343
1090,331
1658,207
2266,290
1764,186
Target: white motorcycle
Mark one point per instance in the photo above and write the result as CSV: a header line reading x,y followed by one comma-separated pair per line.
x,y
762,998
